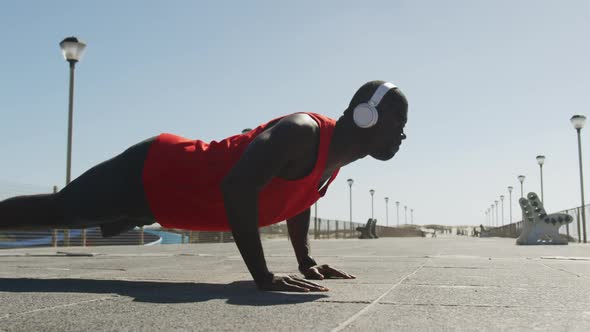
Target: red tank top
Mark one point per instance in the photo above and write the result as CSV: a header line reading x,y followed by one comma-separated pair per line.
x,y
182,180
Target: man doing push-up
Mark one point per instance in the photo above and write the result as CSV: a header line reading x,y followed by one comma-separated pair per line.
x,y
272,173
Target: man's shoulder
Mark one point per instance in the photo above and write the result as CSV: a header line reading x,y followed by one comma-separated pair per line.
x,y
301,119
300,124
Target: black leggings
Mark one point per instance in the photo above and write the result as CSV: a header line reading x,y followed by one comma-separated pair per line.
x,y
109,195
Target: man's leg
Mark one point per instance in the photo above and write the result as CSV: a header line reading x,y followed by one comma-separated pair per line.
x,y
31,211
107,193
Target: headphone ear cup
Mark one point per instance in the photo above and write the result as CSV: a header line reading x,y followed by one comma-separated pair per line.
x,y
365,116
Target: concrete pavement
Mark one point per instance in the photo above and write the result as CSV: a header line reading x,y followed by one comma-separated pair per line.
x,y
417,284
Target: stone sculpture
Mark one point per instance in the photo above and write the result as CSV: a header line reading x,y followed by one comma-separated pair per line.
x,y
538,227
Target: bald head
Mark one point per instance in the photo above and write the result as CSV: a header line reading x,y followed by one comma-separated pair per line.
x,y
394,100
383,139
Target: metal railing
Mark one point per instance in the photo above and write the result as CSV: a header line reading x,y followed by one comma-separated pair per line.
x,y
320,229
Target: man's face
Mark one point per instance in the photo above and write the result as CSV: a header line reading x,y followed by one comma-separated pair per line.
x,y
389,134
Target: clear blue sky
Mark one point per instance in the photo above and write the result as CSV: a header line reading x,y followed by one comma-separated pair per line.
x,y
491,84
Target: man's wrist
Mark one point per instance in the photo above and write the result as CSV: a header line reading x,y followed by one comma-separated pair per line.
x,y
306,262
263,278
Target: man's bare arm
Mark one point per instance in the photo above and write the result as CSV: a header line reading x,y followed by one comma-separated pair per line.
x,y
298,229
298,232
263,159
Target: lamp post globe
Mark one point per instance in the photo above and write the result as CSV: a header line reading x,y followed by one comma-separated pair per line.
x,y
578,121
72,49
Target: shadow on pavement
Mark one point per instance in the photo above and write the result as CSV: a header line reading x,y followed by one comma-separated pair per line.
x,y
237,292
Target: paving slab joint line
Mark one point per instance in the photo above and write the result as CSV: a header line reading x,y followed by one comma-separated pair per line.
x,y
566,258
347,322
60,306
556,269
343,301
464,305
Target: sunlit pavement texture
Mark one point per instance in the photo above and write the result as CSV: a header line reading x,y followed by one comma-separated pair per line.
x,y
418,284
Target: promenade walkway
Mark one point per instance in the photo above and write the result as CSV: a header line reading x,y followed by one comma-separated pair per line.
x,y
403,284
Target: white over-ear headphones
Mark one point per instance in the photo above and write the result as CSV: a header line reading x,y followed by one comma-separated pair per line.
x,y
365,115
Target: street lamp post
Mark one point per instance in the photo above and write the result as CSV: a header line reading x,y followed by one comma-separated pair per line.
x,y
406,214
387,211
397,205
350,182
497,215
510,193
578,121
521,179
502,202
372,192
492,209
541,161
72,49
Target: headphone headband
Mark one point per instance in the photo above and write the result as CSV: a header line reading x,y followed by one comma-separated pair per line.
x,y
380,93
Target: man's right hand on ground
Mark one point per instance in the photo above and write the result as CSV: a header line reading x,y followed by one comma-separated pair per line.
x,y
290,284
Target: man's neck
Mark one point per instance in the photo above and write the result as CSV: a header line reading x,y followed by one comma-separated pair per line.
x,y
344,148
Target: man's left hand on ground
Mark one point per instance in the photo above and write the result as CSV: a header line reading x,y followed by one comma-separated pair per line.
x,y
324,271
